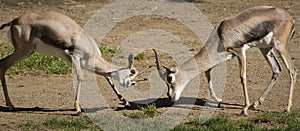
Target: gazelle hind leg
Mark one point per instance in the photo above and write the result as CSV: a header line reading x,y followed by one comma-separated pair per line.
x,y
79,76
243,76
5,64
285,56
270,56
22,50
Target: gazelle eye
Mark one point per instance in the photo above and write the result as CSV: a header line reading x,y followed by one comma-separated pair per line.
x,y
132,71
169,79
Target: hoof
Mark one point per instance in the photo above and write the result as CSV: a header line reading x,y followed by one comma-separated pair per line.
x,y
254,105
77,114
12,109
127,104
286,111
243,113
219,104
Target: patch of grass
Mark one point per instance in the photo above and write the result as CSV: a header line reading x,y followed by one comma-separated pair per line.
x,y
60,124
111,51
173,65
107,50
149,111
139,56
263,121
137,115
216,124
288,121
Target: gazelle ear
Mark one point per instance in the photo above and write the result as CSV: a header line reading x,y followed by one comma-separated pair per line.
x,y
130,61
171,69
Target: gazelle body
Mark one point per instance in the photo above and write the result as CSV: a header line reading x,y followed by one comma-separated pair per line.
x,y
55,34
265,27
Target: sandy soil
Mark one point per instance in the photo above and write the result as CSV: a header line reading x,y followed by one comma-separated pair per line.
x,y
37,98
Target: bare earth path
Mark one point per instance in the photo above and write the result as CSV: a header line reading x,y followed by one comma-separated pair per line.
x,y
44,96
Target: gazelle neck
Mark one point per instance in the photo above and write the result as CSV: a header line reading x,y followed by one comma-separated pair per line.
x,y
93,60
209,56
106,68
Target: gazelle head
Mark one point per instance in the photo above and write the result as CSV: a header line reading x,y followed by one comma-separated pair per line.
x,y
172,77
126,76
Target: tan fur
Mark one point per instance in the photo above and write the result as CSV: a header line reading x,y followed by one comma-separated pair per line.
x,y
268,28
58,35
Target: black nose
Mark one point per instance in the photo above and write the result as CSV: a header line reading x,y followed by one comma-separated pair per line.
x,y
132,71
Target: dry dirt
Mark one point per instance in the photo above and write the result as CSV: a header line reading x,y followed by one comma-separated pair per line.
x,y
37,98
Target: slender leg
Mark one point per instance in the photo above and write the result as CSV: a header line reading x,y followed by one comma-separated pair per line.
x,y
276,69
22,51
121,98
284,54
211,88
5,64
242,63
79,76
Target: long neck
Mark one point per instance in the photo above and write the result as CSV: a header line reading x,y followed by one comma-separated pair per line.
x,y
208,57
95,62
105,68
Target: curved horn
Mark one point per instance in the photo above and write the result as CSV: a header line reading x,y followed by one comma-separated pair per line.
x,y
158,64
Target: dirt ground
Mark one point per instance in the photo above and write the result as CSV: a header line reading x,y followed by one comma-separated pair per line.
x,y
37,98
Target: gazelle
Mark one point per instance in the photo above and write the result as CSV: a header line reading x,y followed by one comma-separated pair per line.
x,y
55,34
265,27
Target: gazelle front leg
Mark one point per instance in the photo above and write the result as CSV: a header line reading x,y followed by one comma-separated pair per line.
x,y
284,53
211,88
121,98
242,64
276,69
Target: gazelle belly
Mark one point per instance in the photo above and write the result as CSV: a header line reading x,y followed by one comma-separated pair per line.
x,y
263,42
49,50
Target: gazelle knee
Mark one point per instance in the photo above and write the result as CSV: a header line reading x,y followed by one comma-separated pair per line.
x,y
275,75
293,73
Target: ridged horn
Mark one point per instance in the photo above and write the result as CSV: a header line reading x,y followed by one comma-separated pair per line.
x,y
159,66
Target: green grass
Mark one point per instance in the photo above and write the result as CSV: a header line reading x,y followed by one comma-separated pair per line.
x,y
264,121
285,121
106,50
220,123
145,112
139,56
77,124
